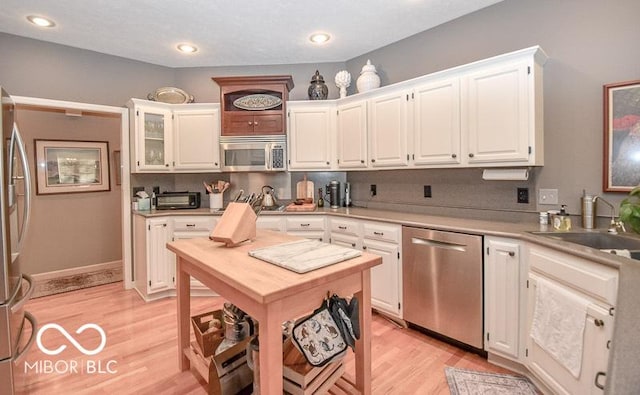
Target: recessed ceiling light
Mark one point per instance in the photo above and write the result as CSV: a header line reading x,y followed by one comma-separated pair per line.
x,y
187,48
319,38
41,21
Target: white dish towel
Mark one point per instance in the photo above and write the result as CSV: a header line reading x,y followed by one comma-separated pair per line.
x,y
558,324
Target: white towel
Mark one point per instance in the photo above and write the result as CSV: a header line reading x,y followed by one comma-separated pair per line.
x,y
558,324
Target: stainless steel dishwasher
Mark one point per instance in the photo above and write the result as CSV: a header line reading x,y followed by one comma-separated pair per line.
x,y
442,283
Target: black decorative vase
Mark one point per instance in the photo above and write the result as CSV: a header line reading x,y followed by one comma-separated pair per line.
x,y
318,90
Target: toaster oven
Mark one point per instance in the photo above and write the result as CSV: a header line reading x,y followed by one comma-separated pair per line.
x,y
177,200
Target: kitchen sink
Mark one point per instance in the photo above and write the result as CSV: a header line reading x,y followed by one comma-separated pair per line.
x,y
599,241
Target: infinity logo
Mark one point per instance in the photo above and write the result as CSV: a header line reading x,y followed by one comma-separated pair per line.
x,y
71,339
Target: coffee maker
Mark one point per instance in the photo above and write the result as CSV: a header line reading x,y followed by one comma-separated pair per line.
x,y
333,190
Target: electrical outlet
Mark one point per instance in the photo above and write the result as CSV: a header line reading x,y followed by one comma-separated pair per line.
x,y
523,195
427,191
137,189
548,196
373,190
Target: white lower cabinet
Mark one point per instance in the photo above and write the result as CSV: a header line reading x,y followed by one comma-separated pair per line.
x,y
307,226
504,297
271,222
381,239
155,265
596,285
154,269
189,228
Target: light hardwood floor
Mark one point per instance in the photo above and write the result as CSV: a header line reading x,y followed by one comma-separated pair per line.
x,y
142,342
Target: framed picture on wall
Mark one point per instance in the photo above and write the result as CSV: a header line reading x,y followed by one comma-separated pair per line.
x,y
621,171
64,166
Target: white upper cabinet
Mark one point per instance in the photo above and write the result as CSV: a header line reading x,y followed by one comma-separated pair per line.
x,y
388,128
174,138
310,133
488,113
153,132
436,123
500,118
352,135
195,139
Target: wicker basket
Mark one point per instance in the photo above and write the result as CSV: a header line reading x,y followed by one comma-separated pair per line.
x,y
208,340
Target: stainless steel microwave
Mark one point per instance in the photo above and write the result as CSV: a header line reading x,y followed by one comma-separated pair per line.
x,y
254,153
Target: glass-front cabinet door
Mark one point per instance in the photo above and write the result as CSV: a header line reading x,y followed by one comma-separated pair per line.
x,y
154,138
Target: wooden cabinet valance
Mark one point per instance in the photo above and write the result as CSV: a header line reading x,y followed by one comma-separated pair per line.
x,y
264,115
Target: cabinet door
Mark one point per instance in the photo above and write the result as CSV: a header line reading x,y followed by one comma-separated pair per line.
x,y
598,332
345,241
388,128
271,222
385,278
196,140
307,226
193,283
309,137
160,261
352,135
502,297
153,138
496,114
436,126
268,124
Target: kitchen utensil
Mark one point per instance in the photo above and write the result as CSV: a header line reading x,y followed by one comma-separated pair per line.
x,y
269,199
207,187
239,195
305,189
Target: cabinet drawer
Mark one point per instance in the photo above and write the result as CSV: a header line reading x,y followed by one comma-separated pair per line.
x,y
182,224
305,223
591,278
345,226
270,223
381,232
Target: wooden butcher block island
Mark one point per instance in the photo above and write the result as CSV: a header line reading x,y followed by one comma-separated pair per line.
x,y
271,295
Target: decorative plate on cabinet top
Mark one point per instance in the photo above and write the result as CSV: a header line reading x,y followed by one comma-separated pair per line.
x,y
170,95
258,101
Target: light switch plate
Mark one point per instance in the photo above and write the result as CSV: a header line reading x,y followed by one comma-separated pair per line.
x,y
548,196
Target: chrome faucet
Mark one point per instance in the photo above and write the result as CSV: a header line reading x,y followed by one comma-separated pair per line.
x,y
615,226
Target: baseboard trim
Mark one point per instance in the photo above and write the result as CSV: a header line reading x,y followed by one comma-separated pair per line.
x,y
66,280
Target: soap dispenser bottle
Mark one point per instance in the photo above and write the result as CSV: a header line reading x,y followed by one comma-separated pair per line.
x,y
562,221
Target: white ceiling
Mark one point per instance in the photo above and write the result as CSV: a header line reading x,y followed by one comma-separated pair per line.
x,y
231,32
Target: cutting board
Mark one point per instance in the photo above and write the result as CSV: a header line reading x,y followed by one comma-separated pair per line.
x,y
301,207
304,189
302,256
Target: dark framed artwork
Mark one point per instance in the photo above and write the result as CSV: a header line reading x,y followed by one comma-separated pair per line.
x,y
621,167
64,166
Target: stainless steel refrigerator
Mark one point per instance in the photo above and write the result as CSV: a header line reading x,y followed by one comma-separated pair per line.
x,y
15,287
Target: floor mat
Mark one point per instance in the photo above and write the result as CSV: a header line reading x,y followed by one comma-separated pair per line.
x,y
470,382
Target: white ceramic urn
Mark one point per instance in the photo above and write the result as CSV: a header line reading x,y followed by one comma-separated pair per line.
x,y
368,78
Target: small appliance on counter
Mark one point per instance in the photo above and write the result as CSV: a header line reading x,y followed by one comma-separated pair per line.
x,y
333,190
347,194
177,200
